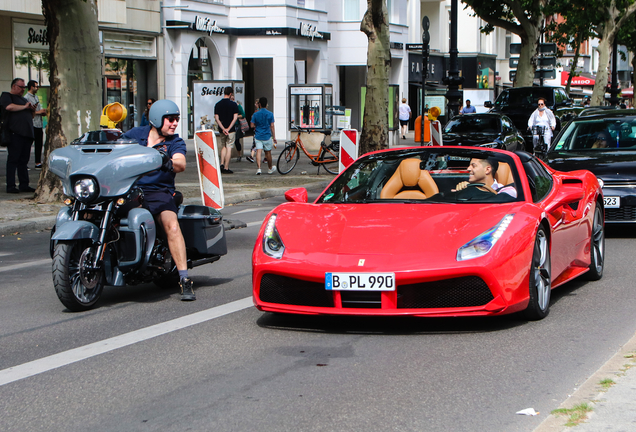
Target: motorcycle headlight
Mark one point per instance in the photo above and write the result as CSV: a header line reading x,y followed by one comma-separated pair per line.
x,y
483,243
86,190
272,244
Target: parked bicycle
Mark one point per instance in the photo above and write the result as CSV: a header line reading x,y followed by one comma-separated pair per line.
x,y
327,156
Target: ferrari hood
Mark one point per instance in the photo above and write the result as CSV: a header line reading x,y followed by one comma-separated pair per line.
x,y
395,234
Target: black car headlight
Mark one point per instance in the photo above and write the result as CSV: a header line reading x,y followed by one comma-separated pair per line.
x,y
272,244
86,190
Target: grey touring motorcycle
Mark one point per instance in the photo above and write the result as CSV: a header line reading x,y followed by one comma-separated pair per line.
x,y
103,236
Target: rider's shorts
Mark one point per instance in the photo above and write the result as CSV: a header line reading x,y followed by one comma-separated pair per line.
x,y
156,201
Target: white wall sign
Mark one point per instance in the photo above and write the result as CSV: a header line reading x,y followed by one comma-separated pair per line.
x,y
306,90
205,24
206,96
310,31
30,36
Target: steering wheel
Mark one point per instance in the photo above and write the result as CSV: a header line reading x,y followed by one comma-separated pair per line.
x,y
481,186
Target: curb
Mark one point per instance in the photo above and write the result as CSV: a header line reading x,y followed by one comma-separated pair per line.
x,y
44,223
590,391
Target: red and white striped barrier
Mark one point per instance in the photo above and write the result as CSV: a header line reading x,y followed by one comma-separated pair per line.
x,y
348,148
436,133
209,172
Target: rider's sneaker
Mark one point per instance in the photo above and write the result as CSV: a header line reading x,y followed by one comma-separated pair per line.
x,y
272,170
187,294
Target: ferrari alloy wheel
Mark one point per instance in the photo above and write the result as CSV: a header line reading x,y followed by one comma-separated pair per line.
x,y
288,158
540,279
597,246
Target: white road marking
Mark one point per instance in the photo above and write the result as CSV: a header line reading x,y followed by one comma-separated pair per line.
x,y
25,265
65,358
5,254
249,210
255,223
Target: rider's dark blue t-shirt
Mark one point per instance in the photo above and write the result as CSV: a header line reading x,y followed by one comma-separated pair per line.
x,y
158,180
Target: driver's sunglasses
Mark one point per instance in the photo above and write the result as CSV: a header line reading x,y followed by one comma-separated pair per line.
x,y
173,119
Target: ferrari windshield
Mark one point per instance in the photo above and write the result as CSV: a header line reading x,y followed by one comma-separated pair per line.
x,y
599,134
427,175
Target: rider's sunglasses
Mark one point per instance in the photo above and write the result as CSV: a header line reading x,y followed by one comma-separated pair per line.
x,y
173,119
541,104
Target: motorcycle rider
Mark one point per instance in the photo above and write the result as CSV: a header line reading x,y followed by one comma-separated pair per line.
x,y
159,187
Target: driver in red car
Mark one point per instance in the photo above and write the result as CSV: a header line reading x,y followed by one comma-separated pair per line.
x,y
482,172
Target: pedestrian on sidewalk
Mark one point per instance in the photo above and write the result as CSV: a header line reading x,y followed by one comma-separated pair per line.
x,y
468,109
144,116
405,116
226,115
250,158
20,123
38,132
264,135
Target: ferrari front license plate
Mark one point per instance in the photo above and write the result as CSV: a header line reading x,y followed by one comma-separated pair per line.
x,y
612,202
360,281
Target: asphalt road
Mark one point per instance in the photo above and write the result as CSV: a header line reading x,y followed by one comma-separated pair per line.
x,y
219,364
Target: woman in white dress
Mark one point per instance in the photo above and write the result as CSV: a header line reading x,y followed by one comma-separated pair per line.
x,y
542,116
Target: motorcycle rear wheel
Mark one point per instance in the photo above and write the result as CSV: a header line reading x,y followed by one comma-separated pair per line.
x,y
77,287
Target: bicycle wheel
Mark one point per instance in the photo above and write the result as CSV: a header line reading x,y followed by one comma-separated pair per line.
x,y
288,158
329,161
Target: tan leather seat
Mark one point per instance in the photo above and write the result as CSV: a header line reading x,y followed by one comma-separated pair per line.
x,y
504,174
409,175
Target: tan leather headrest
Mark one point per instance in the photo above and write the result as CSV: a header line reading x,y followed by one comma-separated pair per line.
x,y
504,174
410,172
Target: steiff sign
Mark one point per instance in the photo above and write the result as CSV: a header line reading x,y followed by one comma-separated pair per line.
x,y
309,31
30,36
205,24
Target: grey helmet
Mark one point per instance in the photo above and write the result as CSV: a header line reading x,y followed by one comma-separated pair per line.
x,y
159,110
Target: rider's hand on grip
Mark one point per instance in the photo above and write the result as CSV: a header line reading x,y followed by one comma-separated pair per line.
x,y
166,162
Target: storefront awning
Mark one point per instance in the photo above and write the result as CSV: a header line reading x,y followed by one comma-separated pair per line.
x,y
583,80
628,92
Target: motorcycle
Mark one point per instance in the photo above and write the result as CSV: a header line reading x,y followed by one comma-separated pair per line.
x,y
103,237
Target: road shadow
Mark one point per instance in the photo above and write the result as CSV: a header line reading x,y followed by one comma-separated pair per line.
x,y
620,230
387,325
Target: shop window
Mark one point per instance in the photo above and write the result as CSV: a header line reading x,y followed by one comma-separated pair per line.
x,y
352,10
33,65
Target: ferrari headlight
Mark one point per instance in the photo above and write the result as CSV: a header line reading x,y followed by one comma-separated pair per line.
x,y
272,243
483,243
86,190
601,183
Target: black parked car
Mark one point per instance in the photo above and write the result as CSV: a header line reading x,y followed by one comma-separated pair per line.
x,y
520,102
484,130
603,142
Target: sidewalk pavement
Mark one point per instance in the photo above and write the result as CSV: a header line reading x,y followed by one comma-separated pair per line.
x,y
613,409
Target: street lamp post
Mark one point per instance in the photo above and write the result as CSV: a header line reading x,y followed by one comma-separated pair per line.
x,y
614,87
453,80
426,38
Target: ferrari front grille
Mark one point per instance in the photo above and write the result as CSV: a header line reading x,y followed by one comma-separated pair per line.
x,y
291,291
623,214
449,293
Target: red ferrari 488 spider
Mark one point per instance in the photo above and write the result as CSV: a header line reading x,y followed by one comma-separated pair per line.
x,y
432,231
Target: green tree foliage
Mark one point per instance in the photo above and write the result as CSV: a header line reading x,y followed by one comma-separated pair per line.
x,y
375,127
521,17
627,37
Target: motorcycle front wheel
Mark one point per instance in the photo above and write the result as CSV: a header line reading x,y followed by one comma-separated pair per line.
x,y
77,285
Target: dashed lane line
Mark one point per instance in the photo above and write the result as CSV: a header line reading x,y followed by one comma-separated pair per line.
x,y
65,358
25,265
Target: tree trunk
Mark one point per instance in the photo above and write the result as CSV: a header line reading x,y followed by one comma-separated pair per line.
x,y
602,74
375,128
575,60
75,97
527,58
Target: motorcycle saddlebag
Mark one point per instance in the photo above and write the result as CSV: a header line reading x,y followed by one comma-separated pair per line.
x,y
202,229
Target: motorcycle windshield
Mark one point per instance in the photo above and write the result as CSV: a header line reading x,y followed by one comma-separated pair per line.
x,y
116,167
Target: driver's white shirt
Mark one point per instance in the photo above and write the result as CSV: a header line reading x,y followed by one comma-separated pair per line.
x,y
499,188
